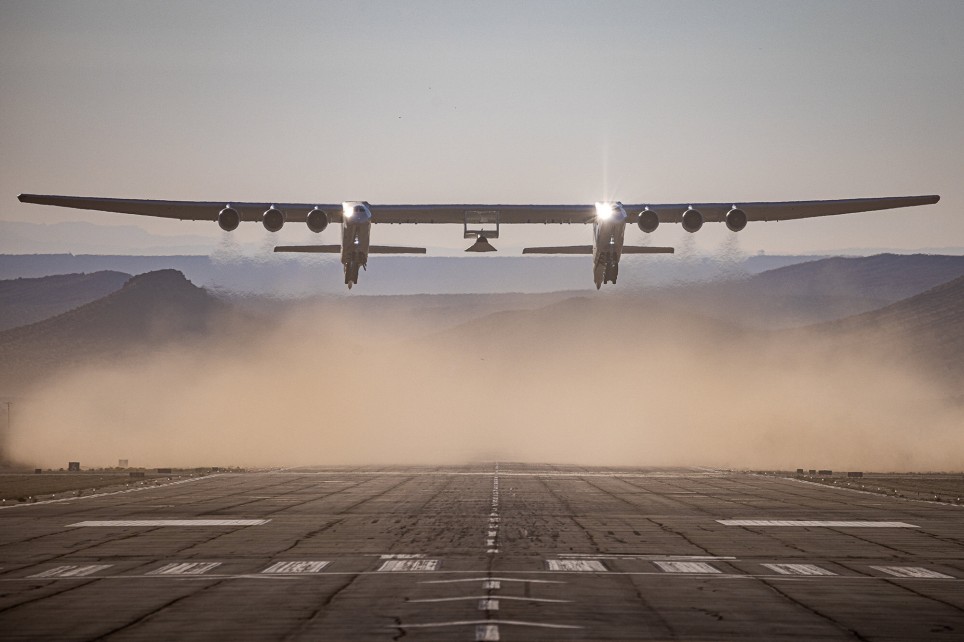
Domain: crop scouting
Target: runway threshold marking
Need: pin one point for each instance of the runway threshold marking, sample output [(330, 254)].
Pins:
[(583, 566), (279, 568), (814, 522), (686, 567), (185, 568), (487, 633), (392, 566), (798, 569), (71, 571), (173, 522), (488, 604), (911, 571)]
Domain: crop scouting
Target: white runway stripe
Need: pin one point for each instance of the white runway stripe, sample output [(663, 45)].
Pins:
[(488, 604), (798, 569), (295, 567), (175, 522), (911, 571), (409, 565), (813, 522), (487, 633), (72, 571), (587, 566), (185, 568), (686, 567)]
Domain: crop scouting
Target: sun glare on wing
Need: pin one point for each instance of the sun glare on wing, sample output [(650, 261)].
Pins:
[(604, 211)]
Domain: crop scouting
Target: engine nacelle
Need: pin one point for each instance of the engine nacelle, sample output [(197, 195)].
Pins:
[(229, 219), (735, 219), (273, 219), (317, 221), (648, 221), (692, 220)]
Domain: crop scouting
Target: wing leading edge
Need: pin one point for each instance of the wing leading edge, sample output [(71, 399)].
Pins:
[(456, 214)]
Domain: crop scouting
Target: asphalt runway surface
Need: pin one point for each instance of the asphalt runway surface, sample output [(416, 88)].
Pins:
[(484, 552)]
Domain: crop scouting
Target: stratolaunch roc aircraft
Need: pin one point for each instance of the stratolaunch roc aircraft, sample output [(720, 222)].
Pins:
[(481, 222)]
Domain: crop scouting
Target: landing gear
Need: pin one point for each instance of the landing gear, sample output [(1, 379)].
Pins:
[(351, 273), (605, 271)]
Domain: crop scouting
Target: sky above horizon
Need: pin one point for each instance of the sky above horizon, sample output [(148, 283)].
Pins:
[(489, 102)]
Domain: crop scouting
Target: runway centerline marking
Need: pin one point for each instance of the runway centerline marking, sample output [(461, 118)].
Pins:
[(295, 567), (686, 567), (912, 571), (814, 522), (71, 571), (392, 566), (487, 633), (798, 569), (578, 566), (173, 522), (488, 604), (185, 568)]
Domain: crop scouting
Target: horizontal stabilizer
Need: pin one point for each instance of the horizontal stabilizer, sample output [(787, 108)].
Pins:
[(633, 249), (326, 249), (394, 249), (587, 249), (562, 249)]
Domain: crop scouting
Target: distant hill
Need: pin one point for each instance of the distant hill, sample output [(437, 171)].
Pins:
[(25, 301), (149, 310), (820, 290), (928, 327)]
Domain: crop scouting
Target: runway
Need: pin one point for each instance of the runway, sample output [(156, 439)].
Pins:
[(485, 552)]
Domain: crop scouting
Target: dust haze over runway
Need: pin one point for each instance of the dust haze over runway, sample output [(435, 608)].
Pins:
[(492, 551), (598, 381)]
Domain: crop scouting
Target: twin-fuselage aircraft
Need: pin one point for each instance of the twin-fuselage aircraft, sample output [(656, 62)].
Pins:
[(608, 219)]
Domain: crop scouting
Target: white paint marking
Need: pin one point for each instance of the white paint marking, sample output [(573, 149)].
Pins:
[(645, 557), (463, 598), (490, 542), (185, 568), (911, 571), (491, 585), (813, 522), (798, 569), (72, 571), (487, 633), (409, 565), (686, 567), (587, 566), (493, 533), (435, 625), (482, 579), (295, 567), (175, 522), (402, 556), (492, 550), (488, 604)]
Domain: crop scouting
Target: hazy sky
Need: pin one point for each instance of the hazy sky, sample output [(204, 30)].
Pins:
[(553, 102)]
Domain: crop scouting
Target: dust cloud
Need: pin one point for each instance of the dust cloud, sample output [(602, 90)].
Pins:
[(594, 381)]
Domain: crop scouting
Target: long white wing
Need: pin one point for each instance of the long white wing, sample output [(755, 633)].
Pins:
[(507, 214)]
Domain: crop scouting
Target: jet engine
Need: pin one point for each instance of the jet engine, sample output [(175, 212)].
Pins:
[(692, 220), (648, 221), (317, 221), (735, 219), (273, 219), (229, 219)]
